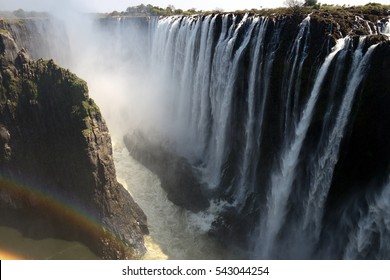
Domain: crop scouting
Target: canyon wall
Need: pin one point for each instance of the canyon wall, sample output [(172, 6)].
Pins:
[(284, 119), (56, 166)]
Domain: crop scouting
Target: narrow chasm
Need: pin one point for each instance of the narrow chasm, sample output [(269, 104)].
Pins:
[(259, 135)]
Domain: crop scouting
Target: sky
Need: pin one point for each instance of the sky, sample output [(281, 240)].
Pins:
[(121, 5)]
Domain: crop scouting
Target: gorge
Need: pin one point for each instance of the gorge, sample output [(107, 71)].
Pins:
[(273, 128), (57, 174)]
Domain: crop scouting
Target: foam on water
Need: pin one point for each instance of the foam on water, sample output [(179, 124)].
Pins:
[(175, 233)]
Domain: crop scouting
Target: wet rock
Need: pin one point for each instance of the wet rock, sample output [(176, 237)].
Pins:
[(176, 174), (56, 164)]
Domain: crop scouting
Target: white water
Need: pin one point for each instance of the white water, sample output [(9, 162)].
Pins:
[(282, 179), (181, 79), (386, 28), (175, 233), (253, 121), (187, 89), (202, 72), (323, 169), (202, 86), (292, 76), (372, 226), (308, 232), (122, 87)]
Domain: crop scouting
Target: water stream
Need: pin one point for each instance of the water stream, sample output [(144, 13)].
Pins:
[(175, 233)]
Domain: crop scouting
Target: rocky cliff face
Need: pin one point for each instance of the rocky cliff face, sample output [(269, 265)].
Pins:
[(177, 176), (283, 117), (56, 164), (286, 118)]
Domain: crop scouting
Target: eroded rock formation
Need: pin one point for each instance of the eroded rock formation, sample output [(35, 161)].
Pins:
[(56, 164), (285, 116), (177, 176)]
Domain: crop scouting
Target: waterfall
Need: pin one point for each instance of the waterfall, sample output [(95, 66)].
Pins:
[(205, 74), (274, 115), (292, 76), (327, 159), (204, 86), (263, 108), (252, 128), (50, 39), (386, 28), (173, 231), (282, 179)]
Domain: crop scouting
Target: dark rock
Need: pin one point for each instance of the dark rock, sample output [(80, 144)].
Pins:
[(365, 157), (41, 37), (8, 47), (56, 164), (232, 226), (176, 174)]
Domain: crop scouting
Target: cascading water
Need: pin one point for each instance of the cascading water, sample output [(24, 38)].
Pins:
[(51, 39), (262, 108), (372, 224), (267, 110), (175, 233), (251, 126), (323, 165), (292, 76), (386, 28), (282, 180), (327, 159), (203, 90), (208, 91)]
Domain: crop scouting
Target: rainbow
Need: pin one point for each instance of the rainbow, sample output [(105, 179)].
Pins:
[(91, 231), (6, 255)]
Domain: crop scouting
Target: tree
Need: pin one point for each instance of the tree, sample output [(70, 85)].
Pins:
[(294, 5), (190, 11), (169, 10), (218, 10), (310, 3), (115, 14), (20, 13)]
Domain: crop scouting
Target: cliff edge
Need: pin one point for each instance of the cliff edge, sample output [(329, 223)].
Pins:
[(56, 164)]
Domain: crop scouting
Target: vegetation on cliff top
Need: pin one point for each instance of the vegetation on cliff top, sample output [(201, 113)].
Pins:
[(22, 14), (292, 6), (340, 21), (52, 132), (33, 81)]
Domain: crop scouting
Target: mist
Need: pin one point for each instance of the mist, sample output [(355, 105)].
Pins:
[(114, 60), (133, 92), (177, 81), (113, 75)]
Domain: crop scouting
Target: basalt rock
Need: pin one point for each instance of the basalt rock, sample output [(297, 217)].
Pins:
[(56, 164), (177, 176), (41, 36)]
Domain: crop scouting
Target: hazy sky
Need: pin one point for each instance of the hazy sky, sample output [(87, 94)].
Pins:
[(121, 5)]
